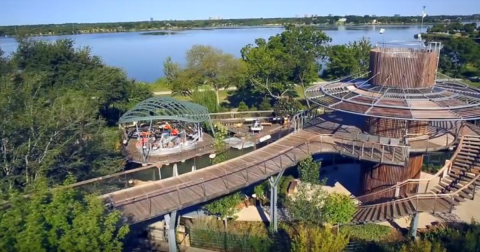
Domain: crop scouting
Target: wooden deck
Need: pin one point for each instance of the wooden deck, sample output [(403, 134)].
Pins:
[(160, 197), (204, 147)]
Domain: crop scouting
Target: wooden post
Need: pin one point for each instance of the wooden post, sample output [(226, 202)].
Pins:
[(178, 195), (204, 190), (383, 152)]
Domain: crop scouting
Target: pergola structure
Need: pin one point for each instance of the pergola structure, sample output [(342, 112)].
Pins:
[(398, 99), (144, 115)]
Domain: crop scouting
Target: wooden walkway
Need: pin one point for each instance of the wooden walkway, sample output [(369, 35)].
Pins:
[(163, 196)]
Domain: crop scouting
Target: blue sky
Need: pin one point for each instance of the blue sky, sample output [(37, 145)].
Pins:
[(16, 12)]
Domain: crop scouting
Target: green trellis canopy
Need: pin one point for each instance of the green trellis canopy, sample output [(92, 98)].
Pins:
[(166, 108)]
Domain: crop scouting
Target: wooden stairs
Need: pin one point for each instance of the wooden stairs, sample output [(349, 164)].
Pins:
[(459, 180)]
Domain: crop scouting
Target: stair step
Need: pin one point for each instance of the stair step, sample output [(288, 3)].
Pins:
[(465, 193), (459, 180), (465, 170), (456, 172), (409, 207), (467, 158), (460, 163), (474, 140), (468, 154), (402, 211)]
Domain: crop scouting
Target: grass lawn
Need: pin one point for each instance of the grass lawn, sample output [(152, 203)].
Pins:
[(223, 94)]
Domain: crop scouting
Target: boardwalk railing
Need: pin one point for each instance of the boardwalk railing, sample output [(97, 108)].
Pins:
[(424, 202), (251, 172), (394, 191), (242, 114)]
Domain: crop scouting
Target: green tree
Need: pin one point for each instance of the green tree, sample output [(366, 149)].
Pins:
[(212, 67), (56, 103), (180, 81), (457, 54), (338, 208), (318, 239), (267, 68), (309, 171), (265, 104), (350, 59), (62, 220), (422, 246), (225, 207), (305, 47), (65, 67), (206, 98), (306, 205), (287, 106), (220, 145), (289, 58), (242, 106)]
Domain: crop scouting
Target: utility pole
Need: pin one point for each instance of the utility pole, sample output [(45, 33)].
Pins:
[(424, 14)]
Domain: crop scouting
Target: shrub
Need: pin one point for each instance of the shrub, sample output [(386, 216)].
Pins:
[(318, 239), (367, 232), (338, 208), (242, 106)]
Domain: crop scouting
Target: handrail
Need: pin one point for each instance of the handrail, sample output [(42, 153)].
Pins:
[(245, 167), (424, 195), (409, 181)]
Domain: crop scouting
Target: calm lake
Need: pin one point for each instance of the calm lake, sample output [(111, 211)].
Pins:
[(142, 56)]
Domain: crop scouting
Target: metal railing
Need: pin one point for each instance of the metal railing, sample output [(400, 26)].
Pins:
[(241, 114), (394, 191), (422, 202), (251, 172)]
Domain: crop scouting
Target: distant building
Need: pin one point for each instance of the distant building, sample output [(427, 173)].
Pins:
[(151, 19), (342, 20), (397, 15)]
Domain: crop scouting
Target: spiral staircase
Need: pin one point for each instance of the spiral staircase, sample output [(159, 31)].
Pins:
[(456, 182)]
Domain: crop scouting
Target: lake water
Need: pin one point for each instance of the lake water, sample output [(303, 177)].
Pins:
[(142, 56)]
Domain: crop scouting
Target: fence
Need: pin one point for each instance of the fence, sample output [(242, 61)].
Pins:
[(222, 241)]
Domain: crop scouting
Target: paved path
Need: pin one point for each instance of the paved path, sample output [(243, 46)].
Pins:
[(201, 90)]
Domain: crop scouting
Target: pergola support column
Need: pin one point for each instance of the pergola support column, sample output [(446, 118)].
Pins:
[(273, 200), (170, 221), (175, 170), (414, 226)]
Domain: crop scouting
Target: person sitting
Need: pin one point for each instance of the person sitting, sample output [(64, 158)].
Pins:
[(167, 126), (174, 132)]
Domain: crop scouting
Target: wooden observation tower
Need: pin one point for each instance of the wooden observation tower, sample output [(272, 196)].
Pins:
[(399, 99)]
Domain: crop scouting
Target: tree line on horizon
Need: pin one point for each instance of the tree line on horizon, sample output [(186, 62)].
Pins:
[(86, 28)]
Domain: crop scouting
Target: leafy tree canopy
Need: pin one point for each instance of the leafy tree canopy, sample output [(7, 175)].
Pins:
[(62, 220), (206, 67), (309, 171), (289, 58), (350, 59), (56, 103)]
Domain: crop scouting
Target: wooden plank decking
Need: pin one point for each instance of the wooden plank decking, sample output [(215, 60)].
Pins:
[(160, 197)]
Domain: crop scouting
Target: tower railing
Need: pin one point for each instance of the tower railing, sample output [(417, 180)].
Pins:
[(395, 190)]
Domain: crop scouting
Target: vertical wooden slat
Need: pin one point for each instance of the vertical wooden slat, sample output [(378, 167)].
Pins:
[(400, 68)]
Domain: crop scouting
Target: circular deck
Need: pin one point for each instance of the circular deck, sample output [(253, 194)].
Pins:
[(443, 102)]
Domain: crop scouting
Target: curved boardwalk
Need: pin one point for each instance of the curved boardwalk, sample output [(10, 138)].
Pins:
[(163, 196), (160, 197)]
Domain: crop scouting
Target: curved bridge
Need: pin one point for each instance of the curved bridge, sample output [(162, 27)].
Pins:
[(160, 197)]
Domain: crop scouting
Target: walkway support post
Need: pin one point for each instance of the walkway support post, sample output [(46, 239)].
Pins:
[(273, 200), (414, 226), (170, 220)]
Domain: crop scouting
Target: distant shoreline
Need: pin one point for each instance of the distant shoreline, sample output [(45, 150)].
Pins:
[(175, 31)]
